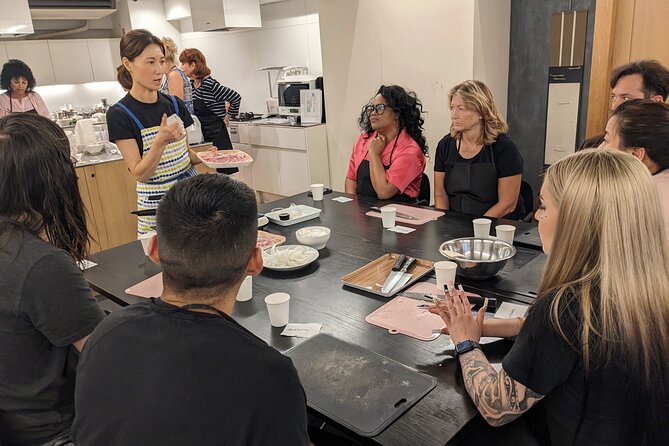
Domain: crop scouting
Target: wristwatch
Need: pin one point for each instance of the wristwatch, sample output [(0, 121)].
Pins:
[(465, 346)]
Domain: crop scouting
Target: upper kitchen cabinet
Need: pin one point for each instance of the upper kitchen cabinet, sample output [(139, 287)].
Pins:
[(38, 57), (104, 54), (71, 62)]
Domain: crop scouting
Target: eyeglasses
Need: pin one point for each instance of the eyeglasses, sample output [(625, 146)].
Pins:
[(379, 108)]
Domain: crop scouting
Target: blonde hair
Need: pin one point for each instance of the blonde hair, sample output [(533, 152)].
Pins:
[(170, 48), (610, 242), (478, 97)]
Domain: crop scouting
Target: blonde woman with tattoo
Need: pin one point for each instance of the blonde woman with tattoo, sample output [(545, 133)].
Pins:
[(594, 349)]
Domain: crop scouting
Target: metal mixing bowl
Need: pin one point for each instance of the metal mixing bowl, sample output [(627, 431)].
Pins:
[(478, 258)]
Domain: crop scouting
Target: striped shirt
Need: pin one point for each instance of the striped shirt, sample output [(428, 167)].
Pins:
[(216, 95)]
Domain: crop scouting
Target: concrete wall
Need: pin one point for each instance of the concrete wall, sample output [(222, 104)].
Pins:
[(528, 78)]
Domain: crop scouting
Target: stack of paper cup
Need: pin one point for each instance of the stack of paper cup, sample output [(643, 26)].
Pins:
[(144, 238), (246, 290), (482, 227), (317, 191), (505, 232), (278, 307), (445, 272), (388, 216)]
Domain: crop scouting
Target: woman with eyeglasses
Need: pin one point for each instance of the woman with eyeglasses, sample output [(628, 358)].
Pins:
[(47, 310), (478, 169), (388, 158)]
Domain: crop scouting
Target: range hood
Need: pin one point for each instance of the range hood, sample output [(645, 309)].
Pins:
[(222, 15), (15, 20)]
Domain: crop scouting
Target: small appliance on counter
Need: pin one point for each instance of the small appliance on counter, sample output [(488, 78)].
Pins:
[(289, 93)]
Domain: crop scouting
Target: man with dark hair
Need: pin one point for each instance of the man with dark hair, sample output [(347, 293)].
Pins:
[(639, 79), (179, 370)]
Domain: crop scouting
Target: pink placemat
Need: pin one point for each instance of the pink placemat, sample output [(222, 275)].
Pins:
[(151, 287), (403, 315), (423, 215)]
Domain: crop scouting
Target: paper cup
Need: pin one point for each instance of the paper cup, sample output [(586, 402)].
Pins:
[(505, 232), (144, 238), (278, 307), (388, 216), (317, 191), (246, 290), (482, 227), (445, 272)]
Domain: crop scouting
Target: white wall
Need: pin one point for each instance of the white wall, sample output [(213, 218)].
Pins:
[(427, 46), (289, 36), (150, 15), (79, 95)]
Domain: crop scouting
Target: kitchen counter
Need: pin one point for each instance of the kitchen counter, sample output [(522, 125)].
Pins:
[(85, 159)]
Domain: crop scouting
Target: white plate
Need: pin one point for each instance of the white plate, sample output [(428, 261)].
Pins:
[(311, 253), (306, 213), (212, 165)]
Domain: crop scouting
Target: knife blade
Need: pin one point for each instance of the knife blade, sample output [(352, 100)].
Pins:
[(397, 214), (393, 271), (474, 299), (399, 276)]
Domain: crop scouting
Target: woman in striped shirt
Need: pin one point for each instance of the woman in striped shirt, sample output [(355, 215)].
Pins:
[(212, 102)]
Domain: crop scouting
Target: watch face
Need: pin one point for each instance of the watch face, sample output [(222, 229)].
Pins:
[(465, 346)]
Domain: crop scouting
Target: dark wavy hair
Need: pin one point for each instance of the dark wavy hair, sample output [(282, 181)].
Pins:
[(39, 184), (133, 43), (654, 75), (15, 68), (409, 111)]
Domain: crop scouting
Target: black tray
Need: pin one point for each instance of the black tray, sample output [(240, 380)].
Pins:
[(354, 387)]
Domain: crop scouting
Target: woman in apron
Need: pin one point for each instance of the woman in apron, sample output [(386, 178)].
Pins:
[(388, 158), (17, 78), (212, 102), (478, 169), (156, 152)]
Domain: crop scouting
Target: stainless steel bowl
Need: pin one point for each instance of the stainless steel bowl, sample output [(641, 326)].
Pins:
[(478, 258)]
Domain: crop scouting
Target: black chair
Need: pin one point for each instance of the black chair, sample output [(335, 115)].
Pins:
[(423, 198), (527, 195)]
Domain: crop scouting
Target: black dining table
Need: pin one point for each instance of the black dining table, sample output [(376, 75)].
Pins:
[(318, 296)]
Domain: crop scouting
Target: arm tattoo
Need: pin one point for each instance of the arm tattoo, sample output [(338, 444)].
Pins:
[(497, 396)]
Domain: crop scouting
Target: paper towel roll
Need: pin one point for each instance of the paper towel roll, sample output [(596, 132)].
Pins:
[(84, 132)]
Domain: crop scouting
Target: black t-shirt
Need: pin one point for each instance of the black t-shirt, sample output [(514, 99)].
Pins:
[(589, 411), (122, 126), (45, 306), (505, 155), (153, 374)]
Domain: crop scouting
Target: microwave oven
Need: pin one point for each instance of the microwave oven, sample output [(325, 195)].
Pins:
[(289, 93)]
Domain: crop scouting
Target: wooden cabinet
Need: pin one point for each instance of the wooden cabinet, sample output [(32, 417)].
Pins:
[(108, 193), (70, 60), (38, 57), (104, 56)]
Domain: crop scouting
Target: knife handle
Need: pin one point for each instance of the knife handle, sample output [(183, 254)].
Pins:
[(398, 263), (410, 261)]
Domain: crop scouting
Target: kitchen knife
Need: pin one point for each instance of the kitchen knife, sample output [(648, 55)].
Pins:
[(397, 214), (474, 299), (399, 277), (394, 270)]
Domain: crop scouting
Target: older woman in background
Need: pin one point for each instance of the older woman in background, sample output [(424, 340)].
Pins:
[(176, 82), (388, 158), (18, 81), (478, 169), (213, 103), (641, 127)]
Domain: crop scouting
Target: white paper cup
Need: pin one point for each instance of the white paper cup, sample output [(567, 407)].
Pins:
[(246, 290), (317, 191), (278, 307), (445, 272), (505, 232), (388, 216), (144, 238), (482, 227)]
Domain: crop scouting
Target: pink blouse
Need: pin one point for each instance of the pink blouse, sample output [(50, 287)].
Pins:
[(30, 102), (407, 165)]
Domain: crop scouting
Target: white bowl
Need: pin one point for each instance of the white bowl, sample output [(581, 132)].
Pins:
[(313, 236), (92, 149)]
